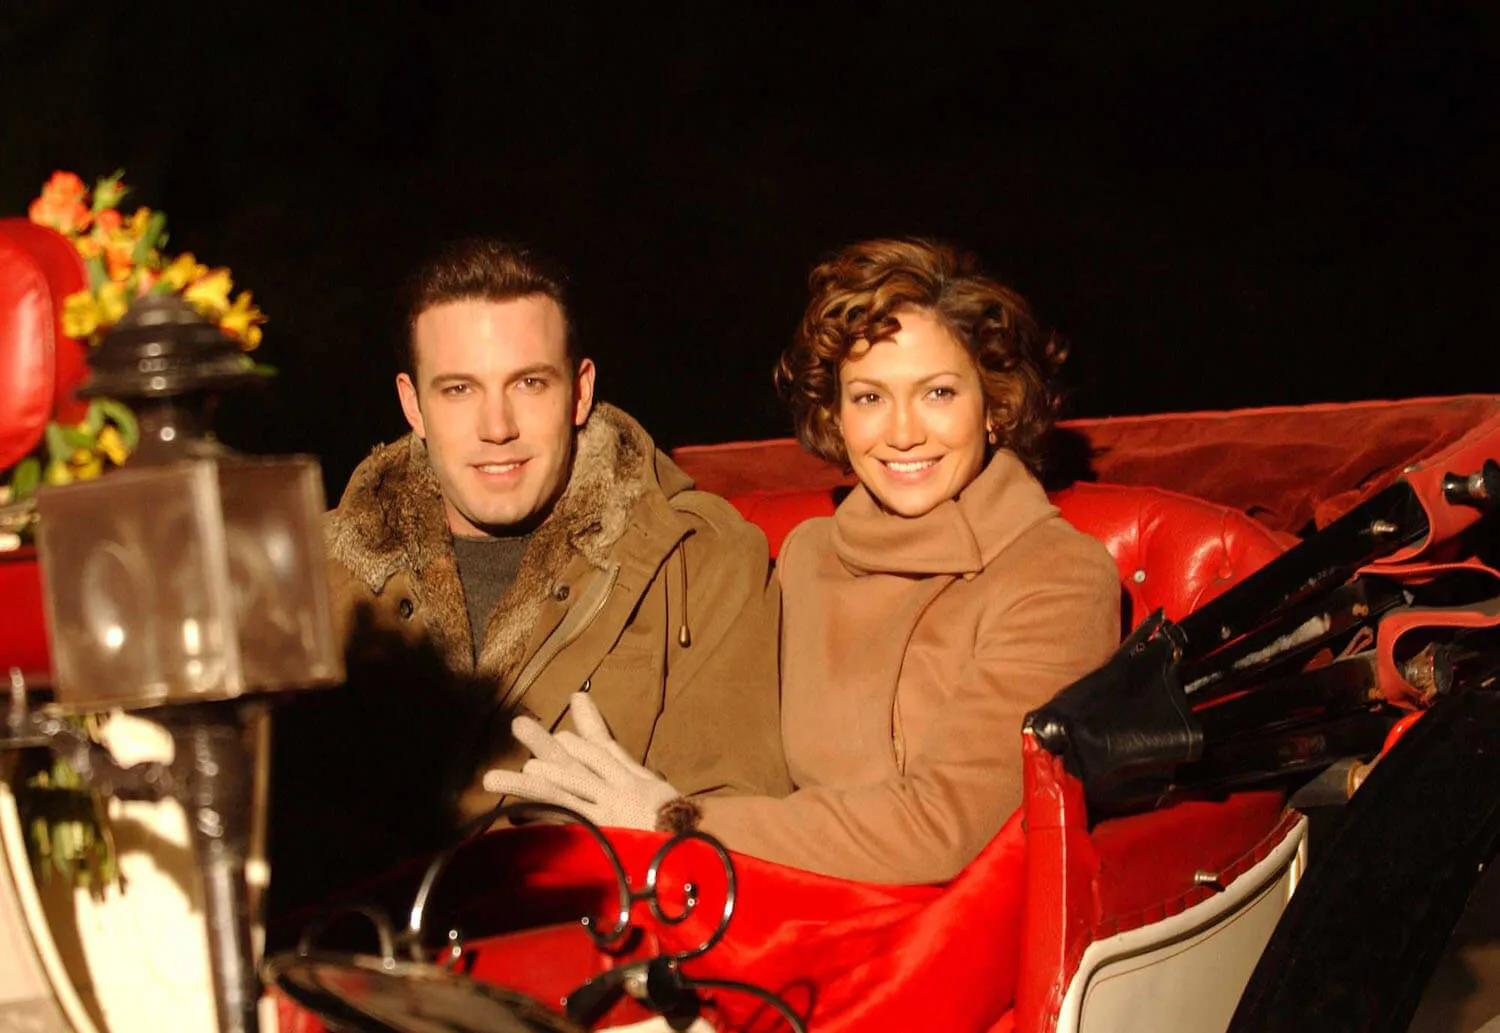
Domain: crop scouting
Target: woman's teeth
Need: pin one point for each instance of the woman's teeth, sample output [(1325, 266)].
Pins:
[(910, 467)]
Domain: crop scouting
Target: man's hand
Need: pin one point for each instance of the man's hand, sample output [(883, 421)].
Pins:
[(589, 773)]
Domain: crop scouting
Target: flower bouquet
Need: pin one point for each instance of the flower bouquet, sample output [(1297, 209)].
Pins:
[(123, 257)]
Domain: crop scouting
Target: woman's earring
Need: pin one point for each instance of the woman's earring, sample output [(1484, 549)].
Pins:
[(994, 438)]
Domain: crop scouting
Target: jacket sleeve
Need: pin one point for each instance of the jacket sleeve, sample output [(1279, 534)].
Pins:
[(963, 779), (719, 731)]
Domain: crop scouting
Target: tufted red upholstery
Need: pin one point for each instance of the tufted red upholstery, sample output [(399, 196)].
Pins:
[(1174, 552)]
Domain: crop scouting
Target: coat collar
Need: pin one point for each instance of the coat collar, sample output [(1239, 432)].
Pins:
[(959, 536), (391, 520)]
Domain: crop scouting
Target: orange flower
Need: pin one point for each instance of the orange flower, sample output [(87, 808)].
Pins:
[(65, 218), (118, 260), (61, 204), (108, 221), (64, 188)]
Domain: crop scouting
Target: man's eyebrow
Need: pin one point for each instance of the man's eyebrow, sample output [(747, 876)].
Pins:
[(444, 379), (535, 369), (439, 380)]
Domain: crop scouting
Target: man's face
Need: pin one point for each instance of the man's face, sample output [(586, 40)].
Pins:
[(497, 403)]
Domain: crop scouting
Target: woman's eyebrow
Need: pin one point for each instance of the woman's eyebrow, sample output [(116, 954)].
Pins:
[(875, 382)]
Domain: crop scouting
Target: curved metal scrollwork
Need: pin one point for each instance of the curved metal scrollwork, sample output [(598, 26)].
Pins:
[(659, 982), (652, 894)]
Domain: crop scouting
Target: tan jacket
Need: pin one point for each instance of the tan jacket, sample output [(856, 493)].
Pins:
[(657, 599), (912, 648)]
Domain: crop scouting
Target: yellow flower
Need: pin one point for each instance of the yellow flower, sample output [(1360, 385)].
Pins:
[(183, 271), (243, 321), (112, 445), (112, 303), (136, 227), (57, 472), (80, 315), (210, 294), (85, 465)]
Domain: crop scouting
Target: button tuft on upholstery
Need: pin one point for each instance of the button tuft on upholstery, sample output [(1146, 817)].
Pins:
[(405, 609), (1138, 577), (560, 593)]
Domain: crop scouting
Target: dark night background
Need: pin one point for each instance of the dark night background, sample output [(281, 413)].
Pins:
[(1219, 206)]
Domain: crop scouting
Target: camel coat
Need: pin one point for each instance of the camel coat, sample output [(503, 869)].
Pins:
[(911, 651)]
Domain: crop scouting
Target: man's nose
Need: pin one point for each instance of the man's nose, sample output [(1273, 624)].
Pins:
[(906, 429), (497, 420)]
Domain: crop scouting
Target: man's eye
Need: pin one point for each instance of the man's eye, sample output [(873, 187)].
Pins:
[(532, 383), (455, 390)]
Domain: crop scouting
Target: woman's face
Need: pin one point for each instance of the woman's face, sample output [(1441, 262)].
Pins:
[(912, 415)]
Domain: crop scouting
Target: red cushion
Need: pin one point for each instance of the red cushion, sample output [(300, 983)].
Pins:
[(26, 353), (1174, 552), (23, 631), (777, 512), (62, 268)]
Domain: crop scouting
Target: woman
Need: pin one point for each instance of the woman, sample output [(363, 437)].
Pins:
[(944, 599)]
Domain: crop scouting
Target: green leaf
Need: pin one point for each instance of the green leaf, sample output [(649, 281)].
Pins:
[(98, 275), (93, 423), (121, 416), (24, 481), (77, 438), (156, 230), (108, 193), (58, 449)]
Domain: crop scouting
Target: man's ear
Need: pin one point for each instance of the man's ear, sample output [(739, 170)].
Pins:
[(583, 391), (407, 391)]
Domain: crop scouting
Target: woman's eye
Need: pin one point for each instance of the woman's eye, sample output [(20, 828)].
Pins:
[(943, 393), (866, 398)]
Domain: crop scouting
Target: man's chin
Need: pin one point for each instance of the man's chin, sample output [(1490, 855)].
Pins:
[(506, 522)]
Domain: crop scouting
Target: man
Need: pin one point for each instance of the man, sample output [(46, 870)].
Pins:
[(522, 543)]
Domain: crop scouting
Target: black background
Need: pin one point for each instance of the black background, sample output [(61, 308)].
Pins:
[(1220, 206)]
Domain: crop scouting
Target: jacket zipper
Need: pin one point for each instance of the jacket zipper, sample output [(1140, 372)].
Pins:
[(573, 625)]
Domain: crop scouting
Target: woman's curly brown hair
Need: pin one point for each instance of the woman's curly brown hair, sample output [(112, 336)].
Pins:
[(857, 295)]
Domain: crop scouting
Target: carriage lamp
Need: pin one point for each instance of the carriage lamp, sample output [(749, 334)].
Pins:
[(193, 573), (189, 586)]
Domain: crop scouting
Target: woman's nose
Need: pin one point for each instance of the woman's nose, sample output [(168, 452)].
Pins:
[(906, 429)]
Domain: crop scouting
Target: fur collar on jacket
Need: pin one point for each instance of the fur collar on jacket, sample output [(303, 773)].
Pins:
[(391, 520)]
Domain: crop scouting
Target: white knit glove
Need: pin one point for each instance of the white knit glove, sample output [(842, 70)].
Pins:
[(589, 773)]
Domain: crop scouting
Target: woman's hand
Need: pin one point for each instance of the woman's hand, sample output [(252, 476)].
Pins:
[(589, 773)]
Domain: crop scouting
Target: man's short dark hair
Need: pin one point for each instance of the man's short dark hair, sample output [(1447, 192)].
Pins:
[(484, 269)]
